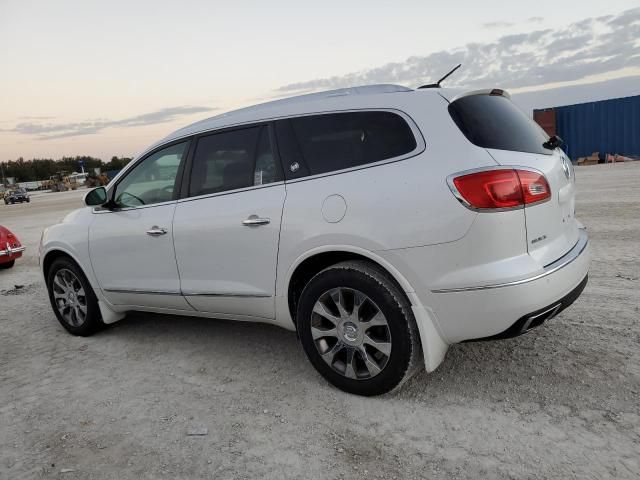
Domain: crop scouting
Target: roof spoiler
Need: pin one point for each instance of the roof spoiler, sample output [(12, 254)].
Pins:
[(496, 92)]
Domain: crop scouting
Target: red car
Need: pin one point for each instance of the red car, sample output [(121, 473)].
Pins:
[(10, 248)]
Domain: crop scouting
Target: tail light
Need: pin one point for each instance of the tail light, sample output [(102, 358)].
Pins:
[(500, 188)]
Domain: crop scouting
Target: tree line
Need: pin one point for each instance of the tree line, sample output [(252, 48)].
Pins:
[(43, 168)]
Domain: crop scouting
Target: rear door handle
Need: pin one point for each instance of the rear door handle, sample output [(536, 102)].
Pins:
[(156, 231), (255, 221)]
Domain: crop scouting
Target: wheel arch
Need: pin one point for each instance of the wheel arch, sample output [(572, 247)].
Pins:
[(109, 315), (52, 255), (312, 262)]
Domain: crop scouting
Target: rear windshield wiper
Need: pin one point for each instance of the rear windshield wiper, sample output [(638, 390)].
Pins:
[(554, 142)]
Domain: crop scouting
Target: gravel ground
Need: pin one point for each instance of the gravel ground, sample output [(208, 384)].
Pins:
[(560, 402)]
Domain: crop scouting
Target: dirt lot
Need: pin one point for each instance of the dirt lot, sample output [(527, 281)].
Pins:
[(560, 402)]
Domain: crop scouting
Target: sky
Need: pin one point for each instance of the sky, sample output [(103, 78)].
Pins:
[(89, 77)]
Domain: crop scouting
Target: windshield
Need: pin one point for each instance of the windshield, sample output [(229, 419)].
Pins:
[(493, 121)]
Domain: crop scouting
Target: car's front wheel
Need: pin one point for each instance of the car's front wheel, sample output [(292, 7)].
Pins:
[(358, 330), (72, 298)]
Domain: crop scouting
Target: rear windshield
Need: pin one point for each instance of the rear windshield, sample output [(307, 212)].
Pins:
[(493, 121)]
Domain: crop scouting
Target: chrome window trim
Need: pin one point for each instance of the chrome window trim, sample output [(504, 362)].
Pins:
[(558, 264), (360, 167), (205, 131), (229, 192), (461, 199), (101, 210), (421, 144)]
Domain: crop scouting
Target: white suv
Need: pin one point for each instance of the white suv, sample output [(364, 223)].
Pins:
[(381, 223)]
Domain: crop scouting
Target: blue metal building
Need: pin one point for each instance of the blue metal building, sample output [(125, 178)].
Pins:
[(607, 126)]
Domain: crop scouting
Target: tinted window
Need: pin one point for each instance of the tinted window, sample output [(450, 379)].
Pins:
[(233, 159), (152, 180), (493, 121), (323, 143)]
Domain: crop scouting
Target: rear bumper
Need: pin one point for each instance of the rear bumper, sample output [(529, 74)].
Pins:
[(537, 318), (498, 310)]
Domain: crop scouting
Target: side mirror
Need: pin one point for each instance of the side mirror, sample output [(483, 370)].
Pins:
[(96, 197)]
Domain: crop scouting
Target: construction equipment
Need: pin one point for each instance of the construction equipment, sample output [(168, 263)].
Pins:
[(62, 182)]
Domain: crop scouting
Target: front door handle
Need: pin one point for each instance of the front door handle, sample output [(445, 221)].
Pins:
[(255, 221), (156, 231)]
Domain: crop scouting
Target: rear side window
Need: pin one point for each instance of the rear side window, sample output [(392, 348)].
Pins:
[(493, 121), (324, 143), (233, 159)]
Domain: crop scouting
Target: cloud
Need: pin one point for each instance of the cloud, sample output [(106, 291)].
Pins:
[(503, 24), (37, 118), (585, 48), (498, 24), (49, 131)]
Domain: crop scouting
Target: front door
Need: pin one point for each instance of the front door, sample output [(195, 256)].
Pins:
[(131, 245), (226, 231)]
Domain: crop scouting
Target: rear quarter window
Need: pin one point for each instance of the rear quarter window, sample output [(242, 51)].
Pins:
[(316, 144), (493, 121)]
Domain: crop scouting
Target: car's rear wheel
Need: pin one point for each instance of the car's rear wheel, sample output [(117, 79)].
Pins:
[(357, 329), (8, 264), (72, 298)]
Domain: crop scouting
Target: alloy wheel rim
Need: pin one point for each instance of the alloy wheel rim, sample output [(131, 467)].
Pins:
[(351, 333), (69, 297)]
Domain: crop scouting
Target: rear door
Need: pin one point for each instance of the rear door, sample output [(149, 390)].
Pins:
[(492, 121), (227, 229)]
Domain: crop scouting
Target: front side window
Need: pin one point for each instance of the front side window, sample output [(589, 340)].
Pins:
[(233, 159), (329, 142), (152, 180)]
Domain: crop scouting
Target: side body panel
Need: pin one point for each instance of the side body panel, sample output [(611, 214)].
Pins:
[(132, 267), (226, 266), (386, 207)]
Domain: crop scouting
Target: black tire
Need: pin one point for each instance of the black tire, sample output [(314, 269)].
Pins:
[(405, 352), (28, 200), (93, 320), (8, 264)]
